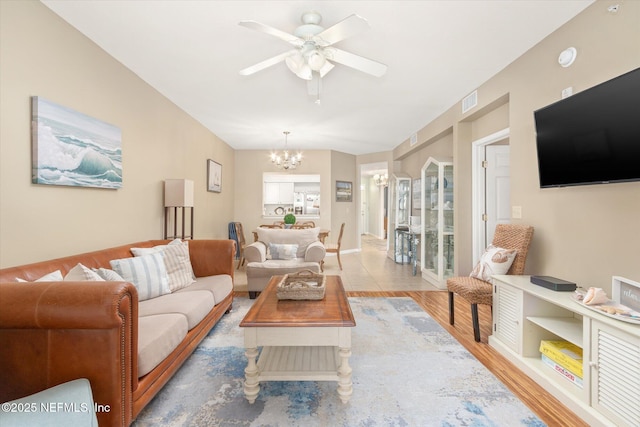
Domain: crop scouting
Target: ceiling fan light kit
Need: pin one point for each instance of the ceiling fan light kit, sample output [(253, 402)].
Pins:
[(313, 51)]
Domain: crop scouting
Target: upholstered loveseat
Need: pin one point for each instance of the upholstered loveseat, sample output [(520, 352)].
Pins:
[(52, 332), (281, 251)]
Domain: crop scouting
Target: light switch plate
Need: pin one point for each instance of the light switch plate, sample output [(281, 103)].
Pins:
[(516, 212)]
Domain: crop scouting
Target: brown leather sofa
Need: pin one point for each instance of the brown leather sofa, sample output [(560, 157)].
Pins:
[(52, 332)]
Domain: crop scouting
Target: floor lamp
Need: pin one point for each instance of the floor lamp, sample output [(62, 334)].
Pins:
[(178, 194)]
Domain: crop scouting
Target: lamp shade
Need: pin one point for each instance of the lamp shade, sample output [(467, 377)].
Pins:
[(178, 192)]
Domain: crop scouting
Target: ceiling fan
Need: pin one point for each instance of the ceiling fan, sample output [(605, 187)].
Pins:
[(312, 57)]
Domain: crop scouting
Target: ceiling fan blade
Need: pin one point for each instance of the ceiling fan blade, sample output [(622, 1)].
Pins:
[(326, 68), (266, 63), (355, 61), (289, 38), (348, 27)]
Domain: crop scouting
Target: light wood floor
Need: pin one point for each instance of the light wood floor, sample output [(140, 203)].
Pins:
[(551, 411), (370, 273)]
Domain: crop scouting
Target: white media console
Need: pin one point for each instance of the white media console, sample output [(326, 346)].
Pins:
[(524, 314)]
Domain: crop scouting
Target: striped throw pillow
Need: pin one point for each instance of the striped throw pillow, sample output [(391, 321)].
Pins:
[(148, 273), (176, 260)]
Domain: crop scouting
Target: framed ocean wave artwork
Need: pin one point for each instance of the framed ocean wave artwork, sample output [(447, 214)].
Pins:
[(73, 149)]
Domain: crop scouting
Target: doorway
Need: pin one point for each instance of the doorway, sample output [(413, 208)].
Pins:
[(491, 203), (373, 198)]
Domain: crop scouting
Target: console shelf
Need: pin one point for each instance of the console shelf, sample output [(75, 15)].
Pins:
[(524, 314), (568, 328)]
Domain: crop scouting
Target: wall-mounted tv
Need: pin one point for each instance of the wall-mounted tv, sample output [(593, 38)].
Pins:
[(592, 137)]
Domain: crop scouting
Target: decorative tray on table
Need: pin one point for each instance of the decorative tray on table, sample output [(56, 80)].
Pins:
[(303, 285), (608, 307)]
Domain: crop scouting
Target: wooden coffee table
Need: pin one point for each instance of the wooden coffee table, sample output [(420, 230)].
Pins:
[(300, 340)]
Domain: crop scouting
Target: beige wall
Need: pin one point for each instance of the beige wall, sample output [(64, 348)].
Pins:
[(343, 168), (41, 55), (587, 233)]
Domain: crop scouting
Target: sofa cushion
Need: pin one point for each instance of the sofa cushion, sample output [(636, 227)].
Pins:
[(195, 306), (148, 273), (54, 276), (276, 268), (220, 286), (158, 336), (109, 275), (80, 273), (301, 237), (282, 251), (176, 260)]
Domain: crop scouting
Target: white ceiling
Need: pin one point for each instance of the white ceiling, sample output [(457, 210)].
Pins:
[(437, 52)]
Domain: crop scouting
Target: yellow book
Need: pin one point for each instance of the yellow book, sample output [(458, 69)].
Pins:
[(565, 354)]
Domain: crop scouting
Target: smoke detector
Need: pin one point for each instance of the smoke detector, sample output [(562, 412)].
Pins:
[(567, 56)]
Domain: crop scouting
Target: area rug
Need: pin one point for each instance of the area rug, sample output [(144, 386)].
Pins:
[(407, 371)]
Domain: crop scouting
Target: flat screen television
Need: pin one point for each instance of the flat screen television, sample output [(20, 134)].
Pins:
[(592, 137)]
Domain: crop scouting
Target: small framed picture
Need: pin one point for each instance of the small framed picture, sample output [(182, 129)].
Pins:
[(344, 191), (214, 176)]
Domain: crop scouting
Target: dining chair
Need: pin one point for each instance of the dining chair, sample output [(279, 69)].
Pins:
[(301, 225), (335, 248), (477, 291), (241, 242)]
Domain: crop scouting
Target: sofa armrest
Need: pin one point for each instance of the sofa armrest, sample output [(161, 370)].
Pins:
[(315, 252), (53, 332), (255, 252), (212, 257)]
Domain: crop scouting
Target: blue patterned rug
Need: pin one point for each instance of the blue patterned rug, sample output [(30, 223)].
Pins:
[(407, 371)]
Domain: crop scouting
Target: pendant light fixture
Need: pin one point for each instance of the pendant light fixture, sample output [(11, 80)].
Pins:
[(286, 160)]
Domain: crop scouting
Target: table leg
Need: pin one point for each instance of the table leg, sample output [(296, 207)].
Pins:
[(251, 383), (345, 386)]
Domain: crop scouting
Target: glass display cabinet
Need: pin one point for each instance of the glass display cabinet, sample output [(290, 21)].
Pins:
[(399, 211), (437, 221)]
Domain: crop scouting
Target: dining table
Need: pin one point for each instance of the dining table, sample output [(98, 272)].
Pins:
[(323, 233)]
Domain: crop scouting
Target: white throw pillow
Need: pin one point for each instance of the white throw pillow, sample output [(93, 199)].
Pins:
[(282, 251), (54, 276), (80, 273), (148, 273), (494, 261), (109, 275), (176, 260)]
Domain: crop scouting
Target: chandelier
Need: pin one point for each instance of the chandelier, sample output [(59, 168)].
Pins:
[(285, 160), (381, 180)]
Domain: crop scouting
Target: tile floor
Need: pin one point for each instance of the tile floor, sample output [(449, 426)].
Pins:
[(367, 270)]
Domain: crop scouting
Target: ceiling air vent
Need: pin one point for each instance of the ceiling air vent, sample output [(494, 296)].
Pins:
[(470, 101)]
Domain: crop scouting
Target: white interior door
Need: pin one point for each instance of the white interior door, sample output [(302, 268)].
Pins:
[(481, 191), (364, 210), (497, 189)]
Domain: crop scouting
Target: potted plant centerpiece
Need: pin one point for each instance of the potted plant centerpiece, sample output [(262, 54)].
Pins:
[(289, 220)]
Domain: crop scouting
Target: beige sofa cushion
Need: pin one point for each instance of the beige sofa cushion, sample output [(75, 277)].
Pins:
[(301, 237), (219, 286), (276, 268), (158, 336), (194, 306)]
